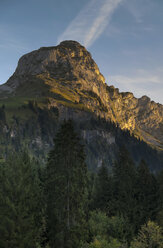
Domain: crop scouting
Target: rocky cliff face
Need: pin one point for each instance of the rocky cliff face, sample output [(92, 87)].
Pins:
[(67, 76), (69, 61)]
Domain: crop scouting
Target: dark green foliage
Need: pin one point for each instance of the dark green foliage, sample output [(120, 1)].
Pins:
[(115, 203), (124, 202), (107, 228), (124, 176), (118, 228), (20, 203), (66, 184), (138, 149), (2, 114), (98, 224), (131, 193), (160, 203), (160, 183), (147, 195), (103, 190)]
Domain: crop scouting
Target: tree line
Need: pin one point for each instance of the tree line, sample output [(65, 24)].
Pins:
[(63, 205)]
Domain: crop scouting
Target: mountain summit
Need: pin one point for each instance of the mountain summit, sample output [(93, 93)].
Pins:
[(67, 78), (67, 61)]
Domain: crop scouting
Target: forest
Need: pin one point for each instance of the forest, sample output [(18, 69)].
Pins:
[(63, 204)]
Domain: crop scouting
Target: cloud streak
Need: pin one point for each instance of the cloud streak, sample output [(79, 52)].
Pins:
[(91, 21)]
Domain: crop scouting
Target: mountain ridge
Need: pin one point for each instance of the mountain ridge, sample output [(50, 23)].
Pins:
[(68, 75)]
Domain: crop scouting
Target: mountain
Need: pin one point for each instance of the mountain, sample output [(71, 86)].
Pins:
[(61, 82)]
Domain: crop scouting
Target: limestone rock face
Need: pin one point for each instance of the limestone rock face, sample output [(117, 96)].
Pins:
[(68, 60), (71, 81), (142, 116)]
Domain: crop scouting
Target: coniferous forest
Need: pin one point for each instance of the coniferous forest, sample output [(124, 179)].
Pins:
[(62, 204)]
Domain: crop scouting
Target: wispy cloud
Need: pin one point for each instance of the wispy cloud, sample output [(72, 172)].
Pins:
[(128, 80), (138, 12), (90, 22)]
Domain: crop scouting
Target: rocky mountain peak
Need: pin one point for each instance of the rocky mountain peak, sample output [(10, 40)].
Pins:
[(69, 60), (69, 78)]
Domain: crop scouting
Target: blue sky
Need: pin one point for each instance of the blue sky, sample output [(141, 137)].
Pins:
[(125, 37)]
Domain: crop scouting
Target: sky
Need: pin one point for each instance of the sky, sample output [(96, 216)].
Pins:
[(125, 37)]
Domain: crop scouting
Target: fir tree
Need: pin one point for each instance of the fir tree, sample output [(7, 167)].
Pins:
[(147, 195), (66, 182), (160, 200), (124, 176), (102, 190), (20, 203)]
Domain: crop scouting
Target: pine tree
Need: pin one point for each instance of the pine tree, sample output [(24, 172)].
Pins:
[(147, 195), (20, 203), (102, 190), (160, 200), (66, 183), (124, 176)]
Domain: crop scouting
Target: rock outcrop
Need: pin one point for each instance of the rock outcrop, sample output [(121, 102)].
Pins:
[(67, 76)]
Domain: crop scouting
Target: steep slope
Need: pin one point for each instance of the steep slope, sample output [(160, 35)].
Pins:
[(61, 82), (68, 76)]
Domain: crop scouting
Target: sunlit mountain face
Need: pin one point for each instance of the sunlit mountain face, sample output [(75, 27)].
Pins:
[(64, 82)]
